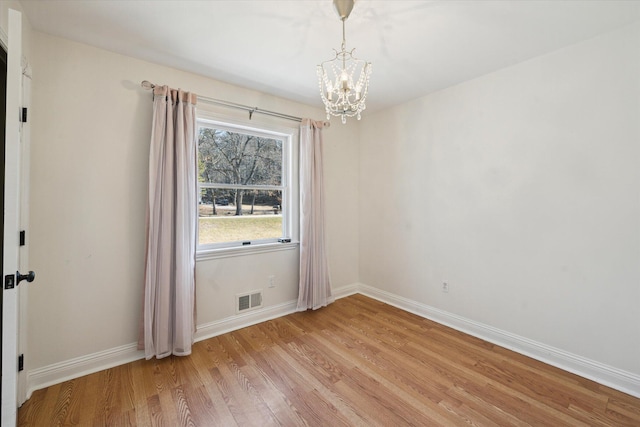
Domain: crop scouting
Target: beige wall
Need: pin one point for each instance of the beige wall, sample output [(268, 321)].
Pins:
[(90, 140), (520, 190)]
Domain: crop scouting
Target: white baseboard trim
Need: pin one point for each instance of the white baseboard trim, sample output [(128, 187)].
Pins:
[(80, 366), (345, 291), (618, 379), (233, 323)]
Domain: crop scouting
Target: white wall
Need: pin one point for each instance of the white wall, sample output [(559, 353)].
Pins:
[(519, 189), (90, 140)]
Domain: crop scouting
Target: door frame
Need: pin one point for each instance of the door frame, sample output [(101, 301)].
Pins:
[(23, 250), (10, 309)]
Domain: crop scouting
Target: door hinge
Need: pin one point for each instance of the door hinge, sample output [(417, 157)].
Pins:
[(9, 281), (23, 235), (21, 362), (23, 115)]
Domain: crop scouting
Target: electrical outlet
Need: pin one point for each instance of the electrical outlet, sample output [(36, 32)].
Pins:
[(445, 287), (272, 281)]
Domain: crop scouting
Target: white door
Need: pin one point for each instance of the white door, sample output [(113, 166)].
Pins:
[(11, 223)]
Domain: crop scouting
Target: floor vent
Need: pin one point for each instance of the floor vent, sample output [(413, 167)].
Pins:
[(248, 301)]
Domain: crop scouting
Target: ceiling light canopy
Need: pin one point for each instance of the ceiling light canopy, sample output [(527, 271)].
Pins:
[(344, 79)]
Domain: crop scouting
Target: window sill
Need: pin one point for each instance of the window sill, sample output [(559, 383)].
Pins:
[(244, 250)]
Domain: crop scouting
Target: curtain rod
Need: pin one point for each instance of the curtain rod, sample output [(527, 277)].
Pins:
[(148, 85)]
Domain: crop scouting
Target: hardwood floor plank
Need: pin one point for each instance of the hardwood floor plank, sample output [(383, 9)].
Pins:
[(370, 398), (317, 411), (220, 407), (81, 398), (127, 394), (168, 408), (28, 414), (50, 396), (203, 410), (141, 415), (271, 396), (156, 414), (88, 399), (60, 411), (624, 407), (282, 330), (357, 362), (593, 418), (474, 418), (535, 386), (486, 409), (183, 406), (254, 339), (205, 356), (108, 406), (313, 386), (318, 362), (618, 418), (245, 408)]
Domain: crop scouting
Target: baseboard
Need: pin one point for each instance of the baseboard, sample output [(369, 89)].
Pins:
[(232, 323), (79, 366), (618, 379), (345, 291)]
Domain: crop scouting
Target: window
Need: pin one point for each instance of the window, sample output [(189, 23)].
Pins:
[(244, 186)]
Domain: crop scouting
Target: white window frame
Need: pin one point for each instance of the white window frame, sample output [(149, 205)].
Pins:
[(289, 187)]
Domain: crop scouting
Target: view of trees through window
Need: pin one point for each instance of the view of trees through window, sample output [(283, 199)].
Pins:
[(240, 186)]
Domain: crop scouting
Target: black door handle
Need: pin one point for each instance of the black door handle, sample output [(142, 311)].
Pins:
[(29, 277)]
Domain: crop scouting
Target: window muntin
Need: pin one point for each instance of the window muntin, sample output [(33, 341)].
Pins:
[(243, 185)]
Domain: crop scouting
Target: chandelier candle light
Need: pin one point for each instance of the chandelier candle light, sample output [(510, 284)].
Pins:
[(344, 80)]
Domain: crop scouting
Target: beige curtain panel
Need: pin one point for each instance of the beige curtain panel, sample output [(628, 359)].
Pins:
[(315, 283), (169, 285)]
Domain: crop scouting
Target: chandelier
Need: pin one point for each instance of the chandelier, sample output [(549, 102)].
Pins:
[(344, 79)]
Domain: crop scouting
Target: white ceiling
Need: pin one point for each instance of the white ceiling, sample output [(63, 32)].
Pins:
[(416, 47)]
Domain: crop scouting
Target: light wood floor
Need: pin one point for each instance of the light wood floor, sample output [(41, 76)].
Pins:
[(356, 362)]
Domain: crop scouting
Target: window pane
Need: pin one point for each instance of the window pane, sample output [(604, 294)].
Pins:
[(239, 215), (235, 158)]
